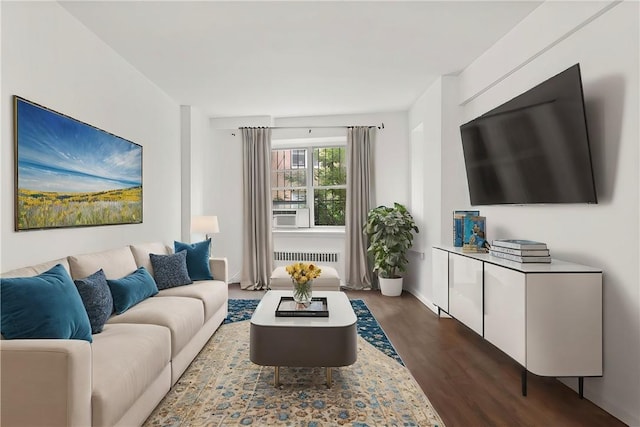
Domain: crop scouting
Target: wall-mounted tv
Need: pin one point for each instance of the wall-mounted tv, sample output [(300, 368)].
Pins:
[(532, 149)]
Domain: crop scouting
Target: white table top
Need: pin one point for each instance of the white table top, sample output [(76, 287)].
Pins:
[(340, 311), (555, 266)]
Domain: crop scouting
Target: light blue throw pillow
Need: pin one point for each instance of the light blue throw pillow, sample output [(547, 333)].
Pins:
[(44, 306), (97, 299), (170, 270), (132, 289), (197, 258)]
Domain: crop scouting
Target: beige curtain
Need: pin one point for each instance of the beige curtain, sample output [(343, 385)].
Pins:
[(257, 249), (359, 201)]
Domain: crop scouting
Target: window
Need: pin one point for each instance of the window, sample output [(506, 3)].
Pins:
[(325, 182), (329, 185), (298, 159)]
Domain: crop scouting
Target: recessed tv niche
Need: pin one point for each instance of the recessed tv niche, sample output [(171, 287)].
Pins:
[(533, 148), (71, 174)]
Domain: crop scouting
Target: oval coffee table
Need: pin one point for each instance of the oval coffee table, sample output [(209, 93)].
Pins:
[(304, 341)]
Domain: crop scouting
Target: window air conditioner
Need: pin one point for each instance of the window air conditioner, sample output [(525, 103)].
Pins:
[(291, 218)]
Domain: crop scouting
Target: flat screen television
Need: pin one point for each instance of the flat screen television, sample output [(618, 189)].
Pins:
[(532, 149)]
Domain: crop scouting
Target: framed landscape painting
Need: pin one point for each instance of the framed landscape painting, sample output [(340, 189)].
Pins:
[(71, 174)]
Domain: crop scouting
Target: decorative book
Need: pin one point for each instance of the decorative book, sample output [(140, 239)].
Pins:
[(474, 234), (521, 252), (458, 226), (519, 244), (521, 259), (289, 308)]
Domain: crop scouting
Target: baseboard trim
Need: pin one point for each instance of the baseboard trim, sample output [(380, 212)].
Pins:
[(428, 303)]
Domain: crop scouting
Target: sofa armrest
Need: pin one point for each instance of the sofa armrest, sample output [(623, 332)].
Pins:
[(45, 382), (219, 269)]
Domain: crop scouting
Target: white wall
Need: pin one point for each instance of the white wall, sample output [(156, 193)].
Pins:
[(195, 133), (603, 38), (223, 180), (50, 58), (426, 115), (438, 112), (185, 172)]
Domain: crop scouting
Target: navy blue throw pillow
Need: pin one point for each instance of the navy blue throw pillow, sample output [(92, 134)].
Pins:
[(170, 270), (44, 306), (97, 299), (197, 258), (132, 289)]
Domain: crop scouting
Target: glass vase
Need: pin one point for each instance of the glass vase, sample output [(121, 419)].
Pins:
[(302, 292)]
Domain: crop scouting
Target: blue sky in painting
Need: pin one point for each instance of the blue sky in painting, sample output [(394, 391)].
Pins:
[(56, 153)]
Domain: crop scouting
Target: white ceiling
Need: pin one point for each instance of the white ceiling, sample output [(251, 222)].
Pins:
[(298, 58)]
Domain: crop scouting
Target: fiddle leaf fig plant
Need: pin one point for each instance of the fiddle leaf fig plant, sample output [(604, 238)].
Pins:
[(390, 231)]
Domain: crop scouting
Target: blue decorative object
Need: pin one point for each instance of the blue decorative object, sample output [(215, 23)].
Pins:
[(43, 306), (458, 226), (197, 258), (170, 270), (474, 233), (132, 289), (367, 325), (97, 299)]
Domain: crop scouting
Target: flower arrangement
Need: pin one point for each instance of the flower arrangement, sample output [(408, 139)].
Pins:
[(302, 274)]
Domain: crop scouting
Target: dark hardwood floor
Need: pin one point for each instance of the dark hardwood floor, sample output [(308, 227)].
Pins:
[(468, 380)]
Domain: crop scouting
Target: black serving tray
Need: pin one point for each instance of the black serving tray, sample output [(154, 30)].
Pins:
[(288, 308)]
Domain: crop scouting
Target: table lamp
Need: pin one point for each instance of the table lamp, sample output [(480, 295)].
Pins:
[(207, 224)]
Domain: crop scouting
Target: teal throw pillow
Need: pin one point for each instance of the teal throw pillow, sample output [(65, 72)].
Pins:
[(170, 270), (97, 299), (197, 258), (44, 306), (132, 289)]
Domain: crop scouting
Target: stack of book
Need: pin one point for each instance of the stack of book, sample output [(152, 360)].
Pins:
[(521, 250)]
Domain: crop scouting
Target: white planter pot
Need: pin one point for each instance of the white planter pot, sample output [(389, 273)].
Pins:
[(390, 287)]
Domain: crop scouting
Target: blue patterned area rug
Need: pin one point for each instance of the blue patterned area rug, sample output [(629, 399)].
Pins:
[(222, 387), (368, 327)]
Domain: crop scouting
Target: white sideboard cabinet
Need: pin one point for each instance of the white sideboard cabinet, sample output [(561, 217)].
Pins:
[(465, 291), (547, 317), (440, 278)]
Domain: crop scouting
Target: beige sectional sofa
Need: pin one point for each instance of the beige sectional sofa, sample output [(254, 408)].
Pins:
[(119, 378)]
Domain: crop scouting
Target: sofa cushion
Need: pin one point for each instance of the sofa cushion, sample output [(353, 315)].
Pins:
[(170, 270), (44, 306), (115, 263), (126, 359), (197, 258), (213, 294), (132, 289), (183, 316), (97, 299), (34, 270), (141, 254)]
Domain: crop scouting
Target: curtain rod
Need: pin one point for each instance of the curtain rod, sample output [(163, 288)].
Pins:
[(310, 127)]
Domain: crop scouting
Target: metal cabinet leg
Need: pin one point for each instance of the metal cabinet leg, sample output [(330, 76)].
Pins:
[(328, 377), (524, 382), (276, 376), (581, 387)]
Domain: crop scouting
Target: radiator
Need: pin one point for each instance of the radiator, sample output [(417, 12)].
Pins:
[(317, 257)]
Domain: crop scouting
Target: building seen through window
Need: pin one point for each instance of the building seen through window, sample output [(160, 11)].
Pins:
[(322, 188)]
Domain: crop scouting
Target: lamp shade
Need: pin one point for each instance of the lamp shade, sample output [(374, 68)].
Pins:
[(205, 224)]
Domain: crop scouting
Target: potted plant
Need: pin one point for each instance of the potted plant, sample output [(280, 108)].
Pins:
[(390, 231)]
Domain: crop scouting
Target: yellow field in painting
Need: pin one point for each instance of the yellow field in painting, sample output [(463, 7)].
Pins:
[(40, 209)]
